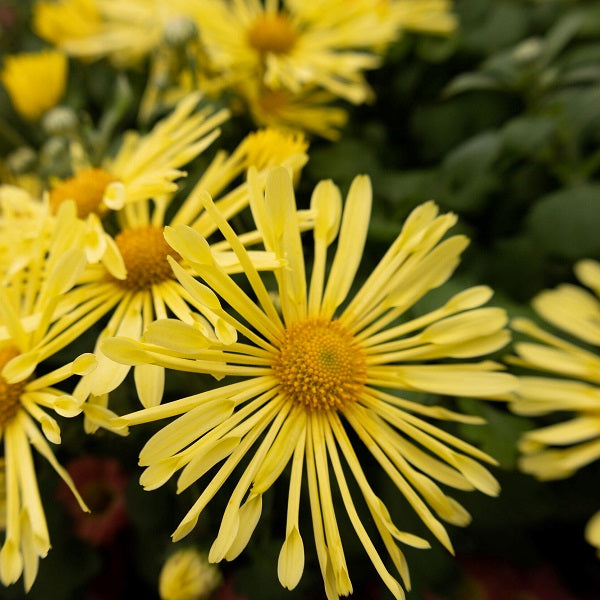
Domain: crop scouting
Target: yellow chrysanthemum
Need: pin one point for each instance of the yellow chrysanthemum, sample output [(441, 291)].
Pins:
[(134, 281), (293, 44), (426, 16), (312, 111), (559, 450), (21, 216), (33, 327), (24, 75), (58, 21), (145, 166), (316, 367), (124, 30), (187, 575)]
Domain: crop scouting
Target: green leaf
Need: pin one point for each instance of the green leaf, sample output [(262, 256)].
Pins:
[(566, 223), (468, 172), (559, 36), (467, 82), (528, 135), (342, 161)]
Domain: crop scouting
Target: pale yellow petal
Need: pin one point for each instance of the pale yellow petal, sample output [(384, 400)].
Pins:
[(188, 427), (541, 395), (176, 335), (326, 201), (290, 564), (149, 383), (588, 272), (351, 241), (575, 430), (459, 380), (249, 516), (572, 309), (202, 462)]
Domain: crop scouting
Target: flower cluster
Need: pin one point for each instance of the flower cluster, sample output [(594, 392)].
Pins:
[(149, 241), (287, 62)]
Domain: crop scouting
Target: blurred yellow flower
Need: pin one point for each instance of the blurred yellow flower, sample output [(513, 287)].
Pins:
[(559, 450), (35, 81), (316, 366), (425, 16), (145, 166), (187, 575), (21, 217), (124, 30), (311, 110), (288, 60), (326, 44), (58, 21)]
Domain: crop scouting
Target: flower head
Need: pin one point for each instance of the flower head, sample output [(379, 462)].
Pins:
[(187, 575), (24, 75), (293, 44), (559, 450), (311, 110), (317, 366), (33, 328), (145, 166)]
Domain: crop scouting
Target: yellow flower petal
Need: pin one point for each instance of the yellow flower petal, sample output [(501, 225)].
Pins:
[(177, 336), (149, 383), (353, 233), (202, 462), (249, 516), (290, 564), (592, 530)]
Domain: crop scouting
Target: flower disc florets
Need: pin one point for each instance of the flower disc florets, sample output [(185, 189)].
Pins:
[(144, 251), (320, 365), (86, 188), (272, 33)]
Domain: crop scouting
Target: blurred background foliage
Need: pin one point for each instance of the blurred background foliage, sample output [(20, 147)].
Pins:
[(499, 123)]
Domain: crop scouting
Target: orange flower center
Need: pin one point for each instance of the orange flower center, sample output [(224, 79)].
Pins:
[(320, 365), (144, 251), (272, 32), (86, 188), (10, 393), (272, 102)]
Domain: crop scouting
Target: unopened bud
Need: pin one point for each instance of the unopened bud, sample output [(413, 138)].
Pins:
[(179, 31), (59, 120)]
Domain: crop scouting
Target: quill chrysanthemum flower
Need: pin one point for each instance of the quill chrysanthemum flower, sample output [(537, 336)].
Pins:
[(320, 365), (34, 327), (292, 45), (24, 75), (145, 166), (559, 450)]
